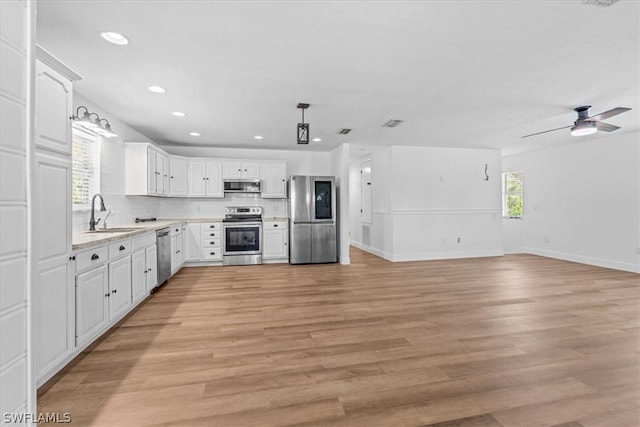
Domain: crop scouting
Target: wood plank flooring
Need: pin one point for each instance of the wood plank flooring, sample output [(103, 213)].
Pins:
[(517, 340)]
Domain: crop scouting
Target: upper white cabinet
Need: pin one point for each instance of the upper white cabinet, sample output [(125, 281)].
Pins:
[(177, 176), (274, 180), (146, 169), (54, 108), (205, 178), (240, 169)]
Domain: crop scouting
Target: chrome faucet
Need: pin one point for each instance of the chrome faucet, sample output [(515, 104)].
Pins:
[(92, 220)]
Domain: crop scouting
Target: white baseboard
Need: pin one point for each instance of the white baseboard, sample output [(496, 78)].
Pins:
[(429, 256), (372, 250), (598, 262)]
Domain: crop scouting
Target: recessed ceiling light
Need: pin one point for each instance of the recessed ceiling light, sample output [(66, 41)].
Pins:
[(317, 139), (194, 134), (157, 89), (115, 38), (257, 137), (178, 114)]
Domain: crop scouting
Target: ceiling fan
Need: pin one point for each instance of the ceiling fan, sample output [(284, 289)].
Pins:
[(586, 125)]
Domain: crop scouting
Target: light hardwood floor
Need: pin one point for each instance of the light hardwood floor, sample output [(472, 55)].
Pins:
[(517, 340)]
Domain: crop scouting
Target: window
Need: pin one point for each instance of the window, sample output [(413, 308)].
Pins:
[(512, 194), (86, 169)]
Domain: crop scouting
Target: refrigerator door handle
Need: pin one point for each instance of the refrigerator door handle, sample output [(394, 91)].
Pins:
[(322, 221)]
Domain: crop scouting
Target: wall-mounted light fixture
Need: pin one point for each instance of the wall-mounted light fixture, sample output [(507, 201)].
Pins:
[(93, 124), (303, 128)]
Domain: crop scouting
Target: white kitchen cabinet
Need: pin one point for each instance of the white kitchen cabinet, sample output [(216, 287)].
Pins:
[(92, 294), (54, 280), (177, 176), (54, 107), (275, 241), (146, 170), (211, 243), (240, 169), (192, 242), (177, 248), (205, 178), (274, 180), (138, 275), (151, 257), (119, 287)]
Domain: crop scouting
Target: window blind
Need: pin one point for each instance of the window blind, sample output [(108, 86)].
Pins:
[(86, 168)]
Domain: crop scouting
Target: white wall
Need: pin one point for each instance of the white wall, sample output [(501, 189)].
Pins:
[(432, 203), (581, 201), (340, 169), (17, 383)]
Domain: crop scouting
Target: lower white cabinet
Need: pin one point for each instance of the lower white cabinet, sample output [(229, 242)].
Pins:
[(203, 242), (139, 275), (275, 240), (192, 242), (119, 287), (151, 257), (177, 247), (92, 308)]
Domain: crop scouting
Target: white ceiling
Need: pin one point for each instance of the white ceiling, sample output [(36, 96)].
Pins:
[(458, 73)]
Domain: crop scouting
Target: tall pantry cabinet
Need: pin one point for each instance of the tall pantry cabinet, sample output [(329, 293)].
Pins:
[(52, 222)]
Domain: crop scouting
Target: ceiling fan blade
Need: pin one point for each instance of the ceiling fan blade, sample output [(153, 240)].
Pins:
[(545, 131), (606, 127), (610, 113)]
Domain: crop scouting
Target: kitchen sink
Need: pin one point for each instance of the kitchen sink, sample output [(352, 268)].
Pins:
[(116, 230)]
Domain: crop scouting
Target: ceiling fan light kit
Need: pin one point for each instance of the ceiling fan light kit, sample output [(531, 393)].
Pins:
[(586, 125)]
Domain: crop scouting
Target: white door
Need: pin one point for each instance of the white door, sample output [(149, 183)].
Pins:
[(192, 242), (174, 254), (365, 191), (274, 244), (250, 170), (92, 296), (152, 262), (274, 180), (165, 175), (232, 169), (138, 275), (178, 177), (54, 107), (214, 179), (152, 172), (119, 287), (197, 178)]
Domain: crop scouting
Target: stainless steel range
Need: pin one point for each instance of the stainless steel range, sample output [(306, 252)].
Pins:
[(242, 231)]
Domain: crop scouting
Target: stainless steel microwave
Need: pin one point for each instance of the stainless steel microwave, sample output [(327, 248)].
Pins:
[(241, 185)]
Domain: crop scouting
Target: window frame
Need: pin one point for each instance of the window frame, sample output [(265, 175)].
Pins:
[(96, 170), (506, 194)]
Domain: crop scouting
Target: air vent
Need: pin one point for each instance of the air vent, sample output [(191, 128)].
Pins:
[(599, 2), (344, 131), (392, 123)]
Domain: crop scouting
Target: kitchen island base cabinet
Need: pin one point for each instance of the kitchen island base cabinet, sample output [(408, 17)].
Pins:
[(119, 287), (92, 316)]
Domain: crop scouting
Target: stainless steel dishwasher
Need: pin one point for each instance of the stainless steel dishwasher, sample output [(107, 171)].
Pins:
[(163, 242)]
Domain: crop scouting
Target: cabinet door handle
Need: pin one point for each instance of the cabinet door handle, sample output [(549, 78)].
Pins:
[(212, 253), (275, 225), (212, 234), (212, 243), (177, 229), (72, 258), (171, 176), (114, 291), (212, 226), (107, 295), (122, 248), (94, 257), (146, 271), (149, 270)]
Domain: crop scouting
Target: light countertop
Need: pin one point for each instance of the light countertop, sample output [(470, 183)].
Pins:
[(86, 240)]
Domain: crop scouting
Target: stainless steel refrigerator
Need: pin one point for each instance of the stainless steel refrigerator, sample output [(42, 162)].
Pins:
[(312, 219)]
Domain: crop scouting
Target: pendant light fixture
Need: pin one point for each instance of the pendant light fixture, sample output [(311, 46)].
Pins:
[(303, 128), (93, 124)]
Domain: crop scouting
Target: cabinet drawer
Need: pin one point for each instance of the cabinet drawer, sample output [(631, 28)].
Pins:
[(276, 225), (119, 249), (91, 258), (211, 254), (211, 234), (206, 226), (210, 243), (143, 241)]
